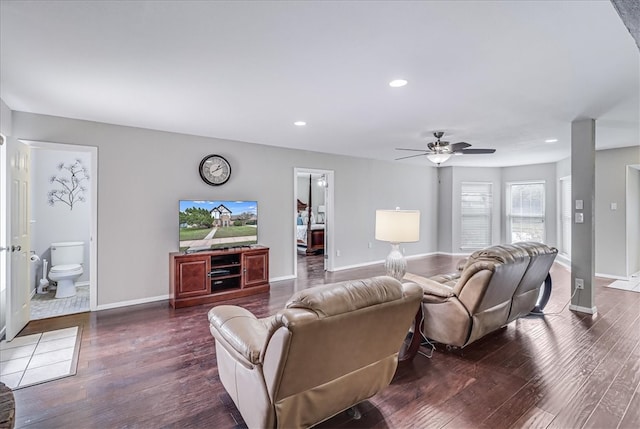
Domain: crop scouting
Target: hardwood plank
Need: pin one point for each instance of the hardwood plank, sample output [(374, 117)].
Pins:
[(534, 418), (617, 399), (631, 419)]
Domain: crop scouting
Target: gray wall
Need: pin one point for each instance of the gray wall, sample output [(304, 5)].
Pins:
[(5, 129), (445, 213), (563, 168), (611, 225), (143, 173), (51, 224), (633, 219)]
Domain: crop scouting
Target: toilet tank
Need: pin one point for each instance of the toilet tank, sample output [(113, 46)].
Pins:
[(67, 253)]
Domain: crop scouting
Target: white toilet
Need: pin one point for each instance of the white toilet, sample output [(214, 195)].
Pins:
[(66, 261)]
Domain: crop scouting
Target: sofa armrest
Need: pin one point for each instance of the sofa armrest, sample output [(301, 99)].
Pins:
[(240, 329), (431, 287)]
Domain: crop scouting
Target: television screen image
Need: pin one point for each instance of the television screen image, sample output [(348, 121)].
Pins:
[(216, 224)]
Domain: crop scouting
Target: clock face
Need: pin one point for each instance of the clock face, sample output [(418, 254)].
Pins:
[(215, 170)]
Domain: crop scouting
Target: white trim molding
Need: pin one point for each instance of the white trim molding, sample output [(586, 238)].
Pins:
[(132, 302), (580, 309), (282, 278), (611, 276)]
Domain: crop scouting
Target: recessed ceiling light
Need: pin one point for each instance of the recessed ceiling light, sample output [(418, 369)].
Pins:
[(397, 83), (551, 140), (300, 123)]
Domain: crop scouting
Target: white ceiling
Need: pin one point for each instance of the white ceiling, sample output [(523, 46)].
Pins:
[(504, 74)]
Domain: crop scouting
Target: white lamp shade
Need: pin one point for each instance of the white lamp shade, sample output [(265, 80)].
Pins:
[(438, 158), (398, 226)]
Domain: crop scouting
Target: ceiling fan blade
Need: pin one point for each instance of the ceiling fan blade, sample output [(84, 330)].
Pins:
[(457, 147), (412, 156), (477, 151), (414, 150)]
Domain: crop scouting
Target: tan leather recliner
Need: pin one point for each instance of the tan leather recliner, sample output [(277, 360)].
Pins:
[(332, 347), (494, 286)]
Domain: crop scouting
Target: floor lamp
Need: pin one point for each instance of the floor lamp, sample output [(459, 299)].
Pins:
[(397, 226)]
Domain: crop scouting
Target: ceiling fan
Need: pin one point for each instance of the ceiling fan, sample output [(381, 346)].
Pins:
[(440, 151)]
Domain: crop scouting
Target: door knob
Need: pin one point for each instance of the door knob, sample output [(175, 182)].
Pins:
[(16, 248)]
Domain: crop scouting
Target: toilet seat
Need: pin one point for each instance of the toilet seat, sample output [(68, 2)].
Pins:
[(66, 269)]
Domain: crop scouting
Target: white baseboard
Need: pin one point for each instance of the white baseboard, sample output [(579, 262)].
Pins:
[(563, 260), (611, 276), (281, 278), (421, 255), (132, 302), (86, 283), (3, 331), (564, 264), (451, 254), (580, 309), (381, 261), (363, 264)]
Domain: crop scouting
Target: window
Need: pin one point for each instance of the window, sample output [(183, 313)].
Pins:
[(476, 206), (525, 212), (565, 216)]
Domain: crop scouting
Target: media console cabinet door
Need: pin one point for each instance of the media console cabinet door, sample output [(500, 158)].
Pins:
[(191, 276), (255, 268)]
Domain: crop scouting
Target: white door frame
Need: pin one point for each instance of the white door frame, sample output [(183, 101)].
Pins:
[(329, 216), (630, 217), (93, 183), (4, 241)]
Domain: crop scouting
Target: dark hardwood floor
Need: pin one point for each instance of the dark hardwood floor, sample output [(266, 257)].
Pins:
[(150, 366)]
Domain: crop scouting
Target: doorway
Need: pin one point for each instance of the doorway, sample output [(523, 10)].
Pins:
[(63, 208), (313, 219)]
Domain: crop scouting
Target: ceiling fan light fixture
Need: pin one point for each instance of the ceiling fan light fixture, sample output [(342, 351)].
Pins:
[(438, 158)]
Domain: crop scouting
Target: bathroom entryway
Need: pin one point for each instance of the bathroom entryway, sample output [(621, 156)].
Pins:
[(62, 213)]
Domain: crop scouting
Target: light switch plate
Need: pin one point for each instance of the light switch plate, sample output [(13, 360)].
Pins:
[(614, 206), (579, 205), (579, 218)]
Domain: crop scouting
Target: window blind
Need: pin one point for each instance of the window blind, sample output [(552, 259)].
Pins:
[(476, 208)]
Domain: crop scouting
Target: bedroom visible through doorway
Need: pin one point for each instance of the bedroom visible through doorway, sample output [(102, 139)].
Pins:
[(312, 220)]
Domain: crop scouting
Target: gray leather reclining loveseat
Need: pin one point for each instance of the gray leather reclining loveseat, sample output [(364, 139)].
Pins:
[(493, 287)]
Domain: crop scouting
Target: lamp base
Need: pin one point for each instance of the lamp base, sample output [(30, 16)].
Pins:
[(395, 264)]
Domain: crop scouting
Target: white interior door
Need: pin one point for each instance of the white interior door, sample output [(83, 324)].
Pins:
[(18, 293)]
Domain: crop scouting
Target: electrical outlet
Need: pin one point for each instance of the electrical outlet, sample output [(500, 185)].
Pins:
[(404, 251), (579, 284), (370, 245), (337, 253)]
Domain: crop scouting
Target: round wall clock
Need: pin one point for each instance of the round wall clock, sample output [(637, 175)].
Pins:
[(214, 170)]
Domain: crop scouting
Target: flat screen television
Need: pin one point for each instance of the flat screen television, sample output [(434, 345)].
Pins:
[(216, 224)]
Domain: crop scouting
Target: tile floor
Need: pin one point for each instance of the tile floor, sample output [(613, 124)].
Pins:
[(633, 284), (37, 358), (46, 305)]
